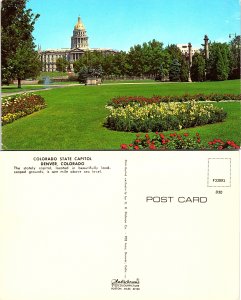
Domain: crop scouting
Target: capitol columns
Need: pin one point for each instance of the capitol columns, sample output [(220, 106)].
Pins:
[(189, 61), (206, 47), (206, 52)]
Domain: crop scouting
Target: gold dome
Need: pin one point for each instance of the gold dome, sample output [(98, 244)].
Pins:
[(79, 25)]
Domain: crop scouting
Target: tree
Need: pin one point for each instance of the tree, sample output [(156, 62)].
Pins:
[(222, 69), (89, 72), (24, 63), (17, 40), (155, 59), (121, 66), (83, 74), (148, 59), (62, 64), (175, 70), (218, 65), (198, 68), (175, 52), (235, 58), (136, 61), (184, 72)]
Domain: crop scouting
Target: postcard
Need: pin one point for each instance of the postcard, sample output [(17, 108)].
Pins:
[(120, 150)]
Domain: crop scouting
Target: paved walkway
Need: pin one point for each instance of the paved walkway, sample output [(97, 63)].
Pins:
[(47, 88)]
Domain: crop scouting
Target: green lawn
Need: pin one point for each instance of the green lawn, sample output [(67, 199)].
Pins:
[(73, 119), (15, 89), (26, 88), (130, 81)]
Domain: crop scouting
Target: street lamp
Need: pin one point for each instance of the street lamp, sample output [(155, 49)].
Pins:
[(232, 34)]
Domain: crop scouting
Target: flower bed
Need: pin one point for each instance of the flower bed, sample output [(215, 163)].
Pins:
[(176, 141), (18, 106), (123, 101), (163, 116)]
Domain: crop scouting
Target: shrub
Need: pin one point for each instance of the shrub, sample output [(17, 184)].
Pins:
[(176, 141), (163, 116), (123, 101), (18, 106), (72, 78)]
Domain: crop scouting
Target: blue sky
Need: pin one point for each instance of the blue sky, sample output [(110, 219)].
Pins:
[(120, 24)]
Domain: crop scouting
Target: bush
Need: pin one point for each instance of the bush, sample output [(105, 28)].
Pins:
[(176, 141), (18, 106), (123, 101), (72, 78), (163, 116)]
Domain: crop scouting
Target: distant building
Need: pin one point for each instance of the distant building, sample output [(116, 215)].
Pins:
[(184, 49), (79, 45)]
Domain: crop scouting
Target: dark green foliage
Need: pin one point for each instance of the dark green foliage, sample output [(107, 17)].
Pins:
[(174, 52), (184, 72), (218, 65), (62, 64), (25, 62), (83, 74), (222, 67), (17, 41), (89, 72), (148, 60), (175, 70), (152, 60), (235, 58), (198, 68)]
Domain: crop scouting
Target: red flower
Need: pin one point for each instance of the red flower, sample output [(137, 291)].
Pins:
[(124, 147), (185, 134), (162, 136), (136, 148), (220, 147), (131, 145), (152, 147), (210, 143), (147, 136), (198, 140)]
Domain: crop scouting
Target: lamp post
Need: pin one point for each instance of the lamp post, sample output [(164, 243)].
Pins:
[(232, 34)]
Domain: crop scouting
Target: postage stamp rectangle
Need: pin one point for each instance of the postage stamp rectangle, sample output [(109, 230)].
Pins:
[(219, 172)]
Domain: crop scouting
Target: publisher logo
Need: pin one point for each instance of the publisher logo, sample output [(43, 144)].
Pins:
[(117, 284)]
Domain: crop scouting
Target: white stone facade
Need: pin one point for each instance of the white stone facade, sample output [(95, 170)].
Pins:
[(79, 45), (184, 49)]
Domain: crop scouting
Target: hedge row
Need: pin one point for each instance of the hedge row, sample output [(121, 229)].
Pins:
[(123, 101)]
